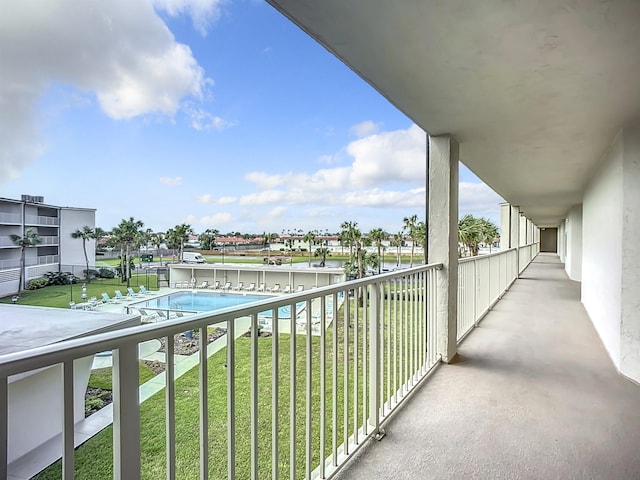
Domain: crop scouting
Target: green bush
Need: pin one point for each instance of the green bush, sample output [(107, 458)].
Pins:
[(105, 273), (60, 278), (37, 283), (91, 273)]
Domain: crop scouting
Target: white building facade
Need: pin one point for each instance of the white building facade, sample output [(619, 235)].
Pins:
[(57, 251)]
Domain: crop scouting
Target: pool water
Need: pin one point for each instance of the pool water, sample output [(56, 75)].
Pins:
[(206, 302)]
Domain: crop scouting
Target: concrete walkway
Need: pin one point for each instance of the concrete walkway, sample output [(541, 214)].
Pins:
[(533, 395)]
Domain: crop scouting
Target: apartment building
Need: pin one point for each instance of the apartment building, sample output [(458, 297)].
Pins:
[(54, 225)]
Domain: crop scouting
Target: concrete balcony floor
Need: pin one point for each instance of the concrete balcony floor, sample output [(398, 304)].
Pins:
[(533, 395)]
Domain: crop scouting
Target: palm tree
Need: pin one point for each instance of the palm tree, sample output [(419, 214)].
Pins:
[(29, 239), (322, 252), (410, 227), (397, 240), (173, 241), (377, 236), (182, 233), (421, 236), (85, 233), (310, 239), (473, 231), (157, 239), (126, 234), (207, 238)]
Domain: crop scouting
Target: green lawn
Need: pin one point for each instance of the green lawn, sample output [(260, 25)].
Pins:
[(60, 295)]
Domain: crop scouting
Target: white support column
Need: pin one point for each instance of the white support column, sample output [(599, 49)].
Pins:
[(505, 226), (515, 233), (443, 236)]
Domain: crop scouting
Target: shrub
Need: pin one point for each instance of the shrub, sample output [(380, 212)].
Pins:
[(105, 273), (36, 283), (60, 278), (91, 273)]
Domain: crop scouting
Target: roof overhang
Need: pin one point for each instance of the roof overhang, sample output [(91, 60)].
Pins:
[(535, 92)]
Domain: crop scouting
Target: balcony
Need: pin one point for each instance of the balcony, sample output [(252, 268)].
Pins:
[(49, 240), (7, 218), (5, 241), (378, 354), (40, 220)]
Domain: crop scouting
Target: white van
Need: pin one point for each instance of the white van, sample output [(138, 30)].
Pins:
[(192, 257)]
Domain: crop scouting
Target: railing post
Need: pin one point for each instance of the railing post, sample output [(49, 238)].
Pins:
[(374, 362), (126, 413)]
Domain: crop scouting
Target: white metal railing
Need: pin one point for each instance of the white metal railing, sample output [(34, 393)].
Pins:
[(41, 220), (48, 259), (5, 241), (49, 240), (366, 344), (9, 263), (526, 254), (6, 217), (482, 281)]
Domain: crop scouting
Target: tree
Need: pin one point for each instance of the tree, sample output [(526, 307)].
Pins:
[(310, 238), (421, 236), (268, 239), (397, 241), (180, 235), (207, 238), (473, 231), (410, 224), (85, 233), (323, 253), (29, 239), (377, 236), (126, 234), (157, 239)]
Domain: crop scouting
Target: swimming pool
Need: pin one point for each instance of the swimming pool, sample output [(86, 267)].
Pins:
[(196, 302)]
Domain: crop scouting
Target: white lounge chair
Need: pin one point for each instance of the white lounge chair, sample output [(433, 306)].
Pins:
[(108, 299), (215, 286), (144, 291), (251, 287), (146, 316), (275, 288), (239, 286), (262, 288), (204, 284), (227, 286), (120, 296), (131, 293), (300, 288)]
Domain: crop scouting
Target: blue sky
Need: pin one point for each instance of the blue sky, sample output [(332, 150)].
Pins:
[(220, 114)]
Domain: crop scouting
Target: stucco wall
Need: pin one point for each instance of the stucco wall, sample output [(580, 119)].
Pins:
[(630, 312), (71, 253), (602, 249)]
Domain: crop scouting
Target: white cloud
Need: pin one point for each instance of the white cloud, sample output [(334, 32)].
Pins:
[(202, 12), (363, 129), (171, 181), (477, 199), (119, 50), (201, 120), (216, 220), (397, 156), (211, 200), (388, 170)]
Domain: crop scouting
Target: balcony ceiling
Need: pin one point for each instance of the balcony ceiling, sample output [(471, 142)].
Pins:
[(535, 92)]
